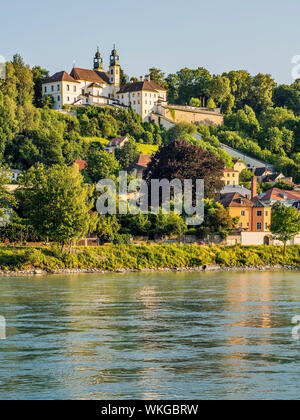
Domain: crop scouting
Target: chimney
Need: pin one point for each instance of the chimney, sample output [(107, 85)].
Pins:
[(253, 187)]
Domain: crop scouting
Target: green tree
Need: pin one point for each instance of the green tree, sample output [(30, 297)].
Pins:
[(39, 75), (107, 229), (157, 76), (261, 92), (195, 102), (127, 154), (211, 104), (101, 165), (217, 220), (169, 225), (56, 202), (285, 223)]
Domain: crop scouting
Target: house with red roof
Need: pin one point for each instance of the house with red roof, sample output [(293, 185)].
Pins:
[(116, 143), (275, 195), (138, 167)]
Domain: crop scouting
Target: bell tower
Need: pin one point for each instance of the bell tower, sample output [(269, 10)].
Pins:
[(114, 70), (98, 61)]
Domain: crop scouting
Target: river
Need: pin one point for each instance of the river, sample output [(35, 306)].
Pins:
[(150, 336)]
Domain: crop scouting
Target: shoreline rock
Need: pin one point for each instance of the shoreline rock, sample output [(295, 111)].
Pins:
[(209, 268)]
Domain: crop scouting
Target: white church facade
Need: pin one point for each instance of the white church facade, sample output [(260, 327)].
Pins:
[(84, 87), (96, 87)]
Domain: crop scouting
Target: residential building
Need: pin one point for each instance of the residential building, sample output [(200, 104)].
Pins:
[(236, 188), (239, 165), (231, 177), (138, 167), (116, 143), (261, 173), (254, 215), (275, 195), (143, 96)]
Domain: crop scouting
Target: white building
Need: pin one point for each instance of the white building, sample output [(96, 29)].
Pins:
[(85, 87), (143, 97)]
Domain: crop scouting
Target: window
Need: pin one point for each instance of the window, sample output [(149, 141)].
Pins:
[(228, 182), (266, 226), (68, 99), (68, 88), (112, 71), (259, 226), (243, 213), (58, 98), (228, 175), (58, 88), (267, 213), (52, 88), (259, 213), (45, 89), (241, 225), (74, 88)]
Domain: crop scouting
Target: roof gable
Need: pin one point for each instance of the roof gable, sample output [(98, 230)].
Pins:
[(89, 75), (61, 76), (146, 85)]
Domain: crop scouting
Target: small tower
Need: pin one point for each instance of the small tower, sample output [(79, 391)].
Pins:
[(98, 62), (114, 70)]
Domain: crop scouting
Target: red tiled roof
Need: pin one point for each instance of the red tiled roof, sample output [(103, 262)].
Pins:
[(88, 75), (278, 194), (235, 200), (143, 85), (141, 162), (82, 164), (61, 76), (117, 141)]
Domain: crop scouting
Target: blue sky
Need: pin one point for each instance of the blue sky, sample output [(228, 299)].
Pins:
[(259, 36)]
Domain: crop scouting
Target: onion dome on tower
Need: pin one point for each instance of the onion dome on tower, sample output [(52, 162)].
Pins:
[(98, 61)]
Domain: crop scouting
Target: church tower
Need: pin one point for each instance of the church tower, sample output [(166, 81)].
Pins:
[(98, 62), (114, 70)]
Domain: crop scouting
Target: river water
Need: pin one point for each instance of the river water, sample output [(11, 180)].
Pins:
[(150, 336)]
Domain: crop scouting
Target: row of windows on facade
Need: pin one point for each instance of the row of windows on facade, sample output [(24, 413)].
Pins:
[(58, 88), (259, 213), (138, 94), (258, 225)]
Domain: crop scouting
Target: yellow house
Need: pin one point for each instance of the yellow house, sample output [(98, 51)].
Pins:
[(253, 215), (231, 177), (239, 165)]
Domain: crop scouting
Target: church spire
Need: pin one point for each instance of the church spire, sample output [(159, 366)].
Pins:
[(98, 61), (114, 57)]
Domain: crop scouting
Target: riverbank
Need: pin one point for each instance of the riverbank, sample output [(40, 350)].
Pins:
[(209, 269), (146, 258)]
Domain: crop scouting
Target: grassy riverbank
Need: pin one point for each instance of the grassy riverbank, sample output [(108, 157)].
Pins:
[(132, 257)]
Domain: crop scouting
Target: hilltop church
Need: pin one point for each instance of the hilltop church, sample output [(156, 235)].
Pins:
[(85, 87)]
